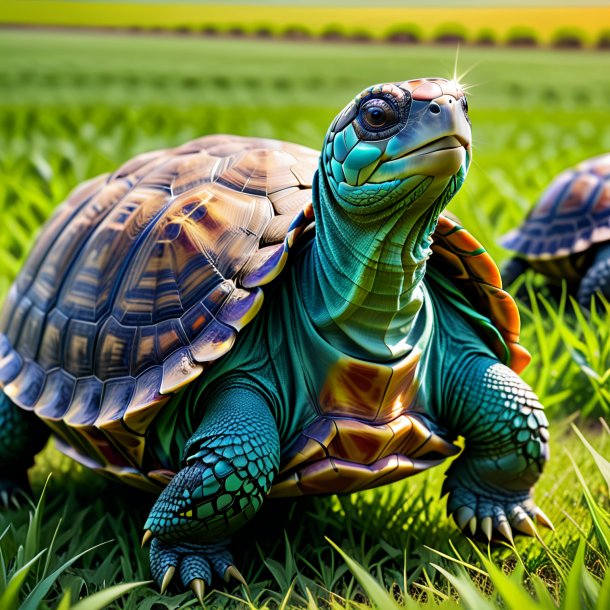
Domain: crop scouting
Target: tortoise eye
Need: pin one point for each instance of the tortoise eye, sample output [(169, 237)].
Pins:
[(378, 114)]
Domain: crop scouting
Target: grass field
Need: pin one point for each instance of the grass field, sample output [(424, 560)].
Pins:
[(74, 106), (374, 21)]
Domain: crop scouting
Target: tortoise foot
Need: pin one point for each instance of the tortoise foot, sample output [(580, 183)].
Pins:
[(194, 564), (497, 516)]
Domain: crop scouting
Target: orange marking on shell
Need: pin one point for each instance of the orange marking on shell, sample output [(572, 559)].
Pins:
[(341, 476), (358, 442), (482, 286)]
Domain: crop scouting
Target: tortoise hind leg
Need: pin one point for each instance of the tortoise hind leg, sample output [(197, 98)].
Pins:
[(228, 468), (22, 436), (597, 279)]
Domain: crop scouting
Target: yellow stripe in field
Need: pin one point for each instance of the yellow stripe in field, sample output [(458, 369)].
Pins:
[(376, 21)]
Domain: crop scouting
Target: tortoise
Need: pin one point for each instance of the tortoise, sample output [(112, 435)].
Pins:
[(566, 236), (185, 326)]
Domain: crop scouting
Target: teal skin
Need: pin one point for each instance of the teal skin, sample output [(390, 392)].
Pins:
[(390, 164), (359, 288)]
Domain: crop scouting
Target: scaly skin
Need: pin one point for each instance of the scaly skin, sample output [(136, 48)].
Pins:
[(490, 483), (228, 468)]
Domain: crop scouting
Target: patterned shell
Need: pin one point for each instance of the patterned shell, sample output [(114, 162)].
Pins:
[(571, 216), (144, 277)]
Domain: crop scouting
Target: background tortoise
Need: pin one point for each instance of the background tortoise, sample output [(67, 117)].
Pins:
[(363, 364), (567, 233)]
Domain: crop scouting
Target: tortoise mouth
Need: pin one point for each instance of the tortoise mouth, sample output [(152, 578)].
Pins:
[(439, 158), (444, 143)]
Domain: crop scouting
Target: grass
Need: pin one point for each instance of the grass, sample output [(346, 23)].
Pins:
[(74, 106), (374, 20)]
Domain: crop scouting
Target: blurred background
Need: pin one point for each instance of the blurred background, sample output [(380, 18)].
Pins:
[(85, 85)]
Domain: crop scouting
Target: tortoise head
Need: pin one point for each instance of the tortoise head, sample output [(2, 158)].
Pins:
[(394, 141)]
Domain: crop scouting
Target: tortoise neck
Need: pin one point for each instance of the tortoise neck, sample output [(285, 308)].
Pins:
[(361, 279)]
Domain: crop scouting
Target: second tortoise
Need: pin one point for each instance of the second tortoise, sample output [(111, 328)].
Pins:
[(566, 235)]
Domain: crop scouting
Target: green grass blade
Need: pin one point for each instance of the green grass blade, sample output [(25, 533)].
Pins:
[(64, 603), (32, 540), (10, 597), (471, 597), (34, 599), (603, 599), (600, 523), (380, 598), (602, 463), (100, 600), (573, 597), (512, 593)]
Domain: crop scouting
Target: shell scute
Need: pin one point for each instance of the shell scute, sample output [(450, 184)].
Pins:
[(113, 355), (117, 395), (19, 310), (84, 407), (56, 396), (10, 367), (50, 353), (79, 347), (26, 387)]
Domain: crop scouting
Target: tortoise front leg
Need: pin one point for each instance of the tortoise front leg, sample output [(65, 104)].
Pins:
[(22, 436), (490, 483), (228, 468)]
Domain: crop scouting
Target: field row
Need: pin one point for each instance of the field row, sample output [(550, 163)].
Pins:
[(45, 67), (525, 26)]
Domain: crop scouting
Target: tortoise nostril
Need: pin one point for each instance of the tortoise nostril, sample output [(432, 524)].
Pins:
[(434, 108)]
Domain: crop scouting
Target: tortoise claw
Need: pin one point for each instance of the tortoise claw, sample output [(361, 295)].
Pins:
[(525, 526), (146, 538), (472, 524), (198, 587), (486, 527), (167, 578), (543, 520), (233, 572), (505, 530), (463, 517)]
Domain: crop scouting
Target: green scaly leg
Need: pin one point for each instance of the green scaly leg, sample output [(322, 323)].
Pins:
[(22, 436), (505, 428), (228, 468)]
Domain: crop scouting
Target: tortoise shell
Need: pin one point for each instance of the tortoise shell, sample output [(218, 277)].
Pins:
[(572, 215), (142, 278)]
